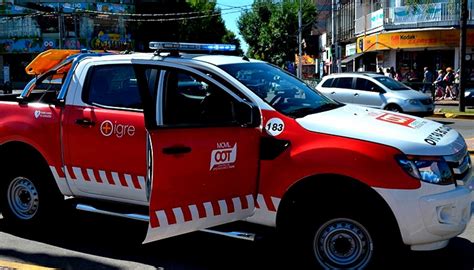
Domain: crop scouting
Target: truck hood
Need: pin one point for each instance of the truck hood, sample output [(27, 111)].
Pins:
[(411, 135)]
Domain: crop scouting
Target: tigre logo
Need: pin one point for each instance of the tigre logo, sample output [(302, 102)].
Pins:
[(107, 128)]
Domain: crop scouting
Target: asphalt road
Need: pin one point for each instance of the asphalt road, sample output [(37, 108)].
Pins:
[(88, 241), (464, 126)]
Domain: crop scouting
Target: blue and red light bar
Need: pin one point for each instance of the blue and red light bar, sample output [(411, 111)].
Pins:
[(178, 46)]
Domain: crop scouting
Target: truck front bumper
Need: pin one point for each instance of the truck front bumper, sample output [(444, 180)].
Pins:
[(431, 215)]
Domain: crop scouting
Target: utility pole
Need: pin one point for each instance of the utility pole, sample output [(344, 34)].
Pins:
[(60, 28), (333, 36), (300, 41), (462, 55)]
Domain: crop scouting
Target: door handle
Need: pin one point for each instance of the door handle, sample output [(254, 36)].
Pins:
[(85, 122), (355, 95), (332, 93), (176, 150)]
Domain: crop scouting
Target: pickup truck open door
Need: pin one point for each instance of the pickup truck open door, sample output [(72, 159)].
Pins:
[(203, 167)]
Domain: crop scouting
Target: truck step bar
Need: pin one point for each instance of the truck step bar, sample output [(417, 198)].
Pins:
[(140, 217)]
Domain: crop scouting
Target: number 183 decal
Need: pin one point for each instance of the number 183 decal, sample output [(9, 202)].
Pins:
[(275, 126)]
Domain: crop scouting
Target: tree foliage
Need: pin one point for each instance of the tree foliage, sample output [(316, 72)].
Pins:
[(209, 29), (271, 28)]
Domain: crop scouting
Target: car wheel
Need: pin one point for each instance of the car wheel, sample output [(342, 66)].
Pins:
[(343, 243), (28, 196), (393, 108)]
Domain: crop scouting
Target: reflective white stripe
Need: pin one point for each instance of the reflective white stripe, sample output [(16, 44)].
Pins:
[(223, 207), (55, 173), (103, 177), (77, 172), (250, 201), (178, 215), (237, 204), (66, 173), (194, 212), (116, 178), (91, 175), (60, 181), (261, 202), (276, 202), (209, 209), (165, 230), (162, 218), (141, 181), (128, 179)]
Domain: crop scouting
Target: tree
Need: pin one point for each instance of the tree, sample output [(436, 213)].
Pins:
[(208, 28), (271, 29)]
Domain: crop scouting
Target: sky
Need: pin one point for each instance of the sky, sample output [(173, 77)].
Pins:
[(231, 15)]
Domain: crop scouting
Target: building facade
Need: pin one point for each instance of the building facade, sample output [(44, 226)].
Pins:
[(30, 27), (393, 33)]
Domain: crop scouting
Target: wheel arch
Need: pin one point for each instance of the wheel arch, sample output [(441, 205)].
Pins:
[(15, 150), (326, 189)]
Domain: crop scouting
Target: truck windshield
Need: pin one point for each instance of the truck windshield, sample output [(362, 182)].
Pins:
[(281, 90)]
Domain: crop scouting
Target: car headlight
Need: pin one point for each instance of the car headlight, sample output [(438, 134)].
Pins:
[(466, 94), (434, 170), (414, 101)]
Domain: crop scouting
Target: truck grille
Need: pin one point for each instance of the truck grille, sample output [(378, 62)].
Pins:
[(461, 165)]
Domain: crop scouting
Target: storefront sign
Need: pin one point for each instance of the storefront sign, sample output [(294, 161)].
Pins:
[(417, 13), (376, 19), (405, 40), (350, 49), (111, 41), (36, 45)]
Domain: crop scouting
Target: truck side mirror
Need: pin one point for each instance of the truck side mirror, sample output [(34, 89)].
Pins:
[(247, 114)]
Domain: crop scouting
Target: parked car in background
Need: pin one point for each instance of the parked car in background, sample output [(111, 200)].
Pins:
[(377, 91), (469, 96)]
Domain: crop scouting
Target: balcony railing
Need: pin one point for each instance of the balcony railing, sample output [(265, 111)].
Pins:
[(423, 13), (432, 15)]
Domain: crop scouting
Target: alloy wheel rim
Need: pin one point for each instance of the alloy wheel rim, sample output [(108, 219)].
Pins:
[(23, 198)]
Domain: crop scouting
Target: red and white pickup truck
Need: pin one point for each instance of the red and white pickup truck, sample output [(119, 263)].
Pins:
[(187, 142)]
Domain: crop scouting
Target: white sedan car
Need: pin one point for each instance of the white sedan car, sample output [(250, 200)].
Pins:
[(377, 91)]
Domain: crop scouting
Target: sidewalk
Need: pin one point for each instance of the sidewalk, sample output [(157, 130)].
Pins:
[(439, 104), (470, 145)]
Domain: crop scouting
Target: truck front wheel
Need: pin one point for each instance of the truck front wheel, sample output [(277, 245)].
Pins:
[(342, 243), (28, 195)]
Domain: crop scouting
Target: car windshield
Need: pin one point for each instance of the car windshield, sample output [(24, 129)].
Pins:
[(391, 83), (281, 90)]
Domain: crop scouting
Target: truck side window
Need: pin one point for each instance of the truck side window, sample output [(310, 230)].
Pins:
[(113, 86), (190, 100)]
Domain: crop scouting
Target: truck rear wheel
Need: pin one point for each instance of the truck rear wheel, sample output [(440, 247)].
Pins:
[(28, 195)]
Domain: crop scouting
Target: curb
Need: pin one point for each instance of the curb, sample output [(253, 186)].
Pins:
[(452, 115)]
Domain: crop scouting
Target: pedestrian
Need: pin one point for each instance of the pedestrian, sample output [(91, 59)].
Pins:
[(439, 85), (388, 73), (392, 71), (381, 71), (449, 81), (428, 79), (398, 76)]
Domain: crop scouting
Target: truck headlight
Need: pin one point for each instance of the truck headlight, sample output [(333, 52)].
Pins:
[(433, 170)]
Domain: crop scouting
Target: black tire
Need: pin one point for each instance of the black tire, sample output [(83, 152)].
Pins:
[(393, 108), (346, 238), (29, 196)]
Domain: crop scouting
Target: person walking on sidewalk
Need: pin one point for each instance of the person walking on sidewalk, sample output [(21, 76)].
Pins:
[(428, 79), (449, 80), (439, 85)]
